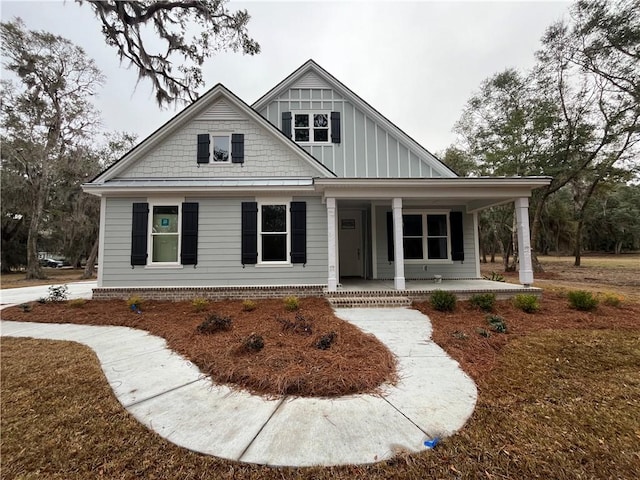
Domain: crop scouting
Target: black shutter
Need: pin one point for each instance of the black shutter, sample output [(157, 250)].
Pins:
[(139, 227), (390, 244), (457, 239), (249, 233), (335, 127), (298, 232), (286, 123), (189, 250), (237, 148), (203, 148)]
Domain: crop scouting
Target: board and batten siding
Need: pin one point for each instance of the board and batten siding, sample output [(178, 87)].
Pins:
[(457, 269), (219, 260), (367, 148), (265, 155)]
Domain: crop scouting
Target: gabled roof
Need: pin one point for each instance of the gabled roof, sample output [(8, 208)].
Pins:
[(191, 112), (312, 66)]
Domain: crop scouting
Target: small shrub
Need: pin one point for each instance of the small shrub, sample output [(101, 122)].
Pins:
[(249, 305), (57, 293), (26, 307), (215, 323), (299, 325), (253, 343), (460, 335), (483, 301), (134, 302), (443, 301), (526, 302), (291, 304), (325, 341), (581, 300), (77, 303), (199, 304), (612, 299), (483, 333), (497, 323), (494, 277)]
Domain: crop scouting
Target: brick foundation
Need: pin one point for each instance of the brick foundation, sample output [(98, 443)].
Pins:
[(210, 293)]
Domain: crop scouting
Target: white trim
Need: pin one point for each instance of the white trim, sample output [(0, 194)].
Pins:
[(332, 277), (524, 241), (266, 201), (398, 278), (163, 202), (101, 239), (160, 266), (476, 242), (374, 242)]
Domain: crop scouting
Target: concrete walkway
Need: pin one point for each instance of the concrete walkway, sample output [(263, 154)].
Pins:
[(12, 296), (169, 395)]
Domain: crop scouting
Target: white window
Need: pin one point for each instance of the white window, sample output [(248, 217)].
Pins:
[(426, 236), (273, 238), (221, 148), (311, 127), (164, 239)]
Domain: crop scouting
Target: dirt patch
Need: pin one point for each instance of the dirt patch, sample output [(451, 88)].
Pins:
[(55, 276), (463, 333), (296, 358)]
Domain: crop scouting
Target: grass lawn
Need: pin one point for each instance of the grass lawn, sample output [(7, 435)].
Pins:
[(55, 276)]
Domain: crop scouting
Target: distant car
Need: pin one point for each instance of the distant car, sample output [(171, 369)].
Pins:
[(51, 263)]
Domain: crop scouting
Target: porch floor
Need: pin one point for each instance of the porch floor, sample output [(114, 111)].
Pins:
[(362, 291)]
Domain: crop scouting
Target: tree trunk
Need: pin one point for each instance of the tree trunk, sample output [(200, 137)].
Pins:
[(578, 243), (34, 271), (89, 268), (535, 228)]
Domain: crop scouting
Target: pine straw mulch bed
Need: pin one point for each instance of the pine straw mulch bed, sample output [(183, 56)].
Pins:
[(289, 364), (462, 332)]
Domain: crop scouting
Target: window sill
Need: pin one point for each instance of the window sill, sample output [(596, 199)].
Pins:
[(274, 264), (162, 266), (315, 144)]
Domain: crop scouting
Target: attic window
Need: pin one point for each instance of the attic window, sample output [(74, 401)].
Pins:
[(221, 148), (311, 127)]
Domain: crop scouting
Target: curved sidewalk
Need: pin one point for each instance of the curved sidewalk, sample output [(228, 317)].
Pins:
[(169, 395)]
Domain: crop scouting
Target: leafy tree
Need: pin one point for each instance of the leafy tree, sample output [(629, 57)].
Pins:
[(190, 32), (459, 161), (45, 114)]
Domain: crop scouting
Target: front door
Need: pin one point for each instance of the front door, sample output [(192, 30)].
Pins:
[(350, 243)]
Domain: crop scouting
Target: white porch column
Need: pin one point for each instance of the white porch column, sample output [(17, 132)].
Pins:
[(332, 283), (398, 250), (524, 241)]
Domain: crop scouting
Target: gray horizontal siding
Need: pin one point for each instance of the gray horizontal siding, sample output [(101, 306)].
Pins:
[(465, 269), (218, 250)]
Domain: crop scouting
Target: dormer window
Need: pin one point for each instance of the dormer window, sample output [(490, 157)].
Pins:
[(312, 127)]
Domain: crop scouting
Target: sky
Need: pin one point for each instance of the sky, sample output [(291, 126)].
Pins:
[(415, 62)]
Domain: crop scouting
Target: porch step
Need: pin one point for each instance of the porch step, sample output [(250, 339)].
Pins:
[(369, 301)]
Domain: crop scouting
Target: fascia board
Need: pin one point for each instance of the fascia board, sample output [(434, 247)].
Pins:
[(128, 191)]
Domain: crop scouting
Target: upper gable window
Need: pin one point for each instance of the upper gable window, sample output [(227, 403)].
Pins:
[(221, 147), (311, 127)]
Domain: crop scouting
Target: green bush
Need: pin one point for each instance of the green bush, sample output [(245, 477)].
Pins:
[(291, 304), (483, 301), (199, 304), (526, 302), (253, 343), (135, 302), (443, 301), (57, 293), (497, 323), (215, 323), (581, 300), (249, 305)]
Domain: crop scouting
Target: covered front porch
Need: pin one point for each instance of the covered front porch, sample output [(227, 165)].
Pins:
[(403, 235)]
